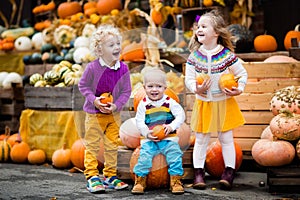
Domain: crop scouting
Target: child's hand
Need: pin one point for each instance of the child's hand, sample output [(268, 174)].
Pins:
[(104, 108), (151, 137), (233, 92), (168, 129), (201, 89)]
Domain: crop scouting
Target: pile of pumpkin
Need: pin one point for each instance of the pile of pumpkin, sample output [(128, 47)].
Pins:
[(280, 140), (61, 75), (14, 149)]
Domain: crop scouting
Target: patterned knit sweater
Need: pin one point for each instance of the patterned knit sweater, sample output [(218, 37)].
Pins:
[(215, 62)]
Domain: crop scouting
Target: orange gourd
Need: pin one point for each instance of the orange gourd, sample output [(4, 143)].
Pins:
[(133, 52), (273, 153), (265, 43), (159, 132), (201, 77), (37, 157), (214, 163), (291, 34), (106, 97), (68, 8), (141, 93), (104, 7), (129, 134), (61, 158), (156, 16), (19, 152), (158, 176), (228, 81)]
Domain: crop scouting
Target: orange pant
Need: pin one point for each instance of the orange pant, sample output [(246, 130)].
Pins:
[(101, 127)]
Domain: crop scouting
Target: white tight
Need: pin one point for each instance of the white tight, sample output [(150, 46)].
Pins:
[(228, 149)]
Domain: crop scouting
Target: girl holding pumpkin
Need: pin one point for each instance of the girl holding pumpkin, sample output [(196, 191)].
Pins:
[(154, 110), (215, 109), (102, 76)]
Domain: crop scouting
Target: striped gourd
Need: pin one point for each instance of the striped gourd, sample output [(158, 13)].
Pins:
[(34, 78), (4, 151), (51, 77)]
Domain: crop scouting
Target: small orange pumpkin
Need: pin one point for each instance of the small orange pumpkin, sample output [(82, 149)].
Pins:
[(158, 176), (104, 7), (106, 97), (265, 43), (68, 8), (156, 16), (133, 52), (159, 132), (201, 77), (227, 81), (61, 158), (37, 157), (291, 34)]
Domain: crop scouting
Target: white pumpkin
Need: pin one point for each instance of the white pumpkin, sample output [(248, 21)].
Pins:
[(12, 77), (80, 54), (23, 43), (2, 77), (37, 40), (81, 41)]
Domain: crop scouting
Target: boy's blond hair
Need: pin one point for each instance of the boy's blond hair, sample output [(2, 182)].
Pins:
[(155, 75), (99, 37)]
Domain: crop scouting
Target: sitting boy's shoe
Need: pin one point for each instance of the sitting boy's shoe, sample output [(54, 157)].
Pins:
[(114, 183), (95, 185)]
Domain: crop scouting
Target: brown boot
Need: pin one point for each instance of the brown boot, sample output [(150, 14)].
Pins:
[(199, 179), (139, 185), (227, 178), (176, 185)]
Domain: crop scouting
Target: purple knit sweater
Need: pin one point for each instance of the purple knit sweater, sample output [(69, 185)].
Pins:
[(98, 79)]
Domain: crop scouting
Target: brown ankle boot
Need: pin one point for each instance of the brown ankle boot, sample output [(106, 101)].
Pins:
[(139, 185), (199, 179), (227, 178), (176, 185)]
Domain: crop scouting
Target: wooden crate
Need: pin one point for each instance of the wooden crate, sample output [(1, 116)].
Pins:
[(264, 79), (53, 98), (284, 179), (124, 155), (11, 104), (38, 68)]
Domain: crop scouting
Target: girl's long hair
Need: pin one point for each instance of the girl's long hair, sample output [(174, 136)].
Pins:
[(220, 28)]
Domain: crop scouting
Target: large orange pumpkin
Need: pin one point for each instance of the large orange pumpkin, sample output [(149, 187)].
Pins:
[(68, 8), (158, 176), (19, 152), (77, 154), (265, 43), (133, 52), (129, 134), (141, 93), (273, 153), (105, 6), (214, 163), (291, 34)]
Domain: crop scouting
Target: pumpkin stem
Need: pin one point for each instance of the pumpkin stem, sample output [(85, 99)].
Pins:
[(286, 112), (7, 131), (237, 78), (297, 27)]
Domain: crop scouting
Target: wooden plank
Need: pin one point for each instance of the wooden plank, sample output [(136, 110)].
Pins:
[(272, 70), (249, 101), (38, 68), (245, 143), (270, 85)]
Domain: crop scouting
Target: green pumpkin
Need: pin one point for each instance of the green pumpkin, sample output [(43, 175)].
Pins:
[(48, 48)]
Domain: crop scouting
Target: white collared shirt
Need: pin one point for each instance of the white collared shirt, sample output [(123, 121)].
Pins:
[(103, 63)]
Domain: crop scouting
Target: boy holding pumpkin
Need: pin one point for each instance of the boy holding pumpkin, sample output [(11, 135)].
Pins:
[(215, 109), (158, 109), (105, 75)]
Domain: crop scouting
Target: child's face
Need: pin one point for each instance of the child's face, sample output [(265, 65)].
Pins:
[(205, 32), (111, 49), (155, 90)]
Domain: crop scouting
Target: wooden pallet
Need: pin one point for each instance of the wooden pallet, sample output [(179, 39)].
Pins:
[(285, 179), (11, 104), (264, 79)]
